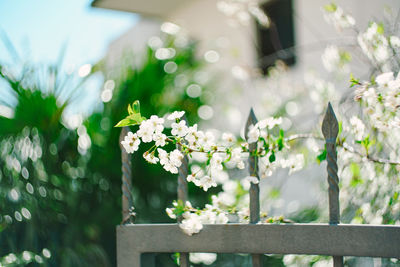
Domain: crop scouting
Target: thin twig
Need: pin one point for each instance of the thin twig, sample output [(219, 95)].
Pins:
[(345, 146)]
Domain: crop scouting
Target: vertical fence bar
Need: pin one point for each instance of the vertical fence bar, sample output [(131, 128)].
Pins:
[(330, 129), (254, 188), (183, 195), (127, 201)]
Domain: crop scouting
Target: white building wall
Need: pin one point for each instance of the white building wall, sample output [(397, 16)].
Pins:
[(205, 23)]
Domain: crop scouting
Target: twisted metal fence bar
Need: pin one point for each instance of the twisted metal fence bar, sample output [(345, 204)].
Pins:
[(254, 187), (330, 130), (128, 214), (183, 196)]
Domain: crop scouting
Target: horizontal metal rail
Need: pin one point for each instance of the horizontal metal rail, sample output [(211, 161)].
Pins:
[(311, 239)]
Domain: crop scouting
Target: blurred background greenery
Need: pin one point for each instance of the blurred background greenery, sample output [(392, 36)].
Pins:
[(60, 180)]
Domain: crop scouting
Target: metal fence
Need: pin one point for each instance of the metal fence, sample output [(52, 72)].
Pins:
[(333, 239)]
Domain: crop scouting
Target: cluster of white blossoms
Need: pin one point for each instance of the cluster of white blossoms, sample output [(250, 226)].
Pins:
[(357, 127), (205, 258), (381, 101), (369, 177), (191, 140), (243, 11), (226, 152), (335, 59), (374, 44), (335, 16), (260, 129), (193, 219)]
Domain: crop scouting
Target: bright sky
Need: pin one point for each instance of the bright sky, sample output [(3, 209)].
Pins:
[(39, 29)]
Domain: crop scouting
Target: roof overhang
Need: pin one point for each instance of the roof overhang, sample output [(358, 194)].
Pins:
[(154, 8)]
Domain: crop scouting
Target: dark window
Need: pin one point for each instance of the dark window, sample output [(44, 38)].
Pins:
[(277, 41)]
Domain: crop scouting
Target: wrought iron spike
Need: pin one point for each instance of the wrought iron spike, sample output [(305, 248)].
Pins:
[(330, 130), (254, 191), (330, 125), (182, 192), (182, 174), (251, 120), (127, 202)]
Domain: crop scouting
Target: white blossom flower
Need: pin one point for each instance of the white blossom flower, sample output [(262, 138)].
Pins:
[(221, 218), (252, 179), (176, 157), (374, 44), (225, 199), (188, 204), (216, 161), (206, 140), (394, 41), (191, 224), (358, 128), (269, 123), (149, 157), (191, 177), (163, 155), (335, 16), (267, 168), (240, 165), (205, 182), (170, 213), (219, 176), (384, 78), (179, 129), (253, 134), (244, 214), (191, 135), (157, 123), (170, 168), (294, 163), (236, 158), (228, 138), (208, 216), (131, 142), (203, 258), (159, 138), (175, 115), (146, 130)]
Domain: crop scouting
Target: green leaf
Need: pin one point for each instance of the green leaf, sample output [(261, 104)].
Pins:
[(330, 8), (272, 158), (275, 193), (354, 81), (130, 111), (345, 56), (136, 106), (280, 140), (321, 157), (380, 29), (131, 120)]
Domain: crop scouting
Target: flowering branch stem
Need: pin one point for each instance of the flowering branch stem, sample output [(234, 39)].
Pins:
[(345, 146)]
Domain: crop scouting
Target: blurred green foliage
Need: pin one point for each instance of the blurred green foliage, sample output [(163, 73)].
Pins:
[(60, 190)]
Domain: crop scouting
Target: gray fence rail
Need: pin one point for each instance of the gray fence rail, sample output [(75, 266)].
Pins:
[(333, 239)]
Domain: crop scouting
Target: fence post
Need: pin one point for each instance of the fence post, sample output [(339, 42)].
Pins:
[(183, 195), (127, 201), (330, 129), (254, 188)]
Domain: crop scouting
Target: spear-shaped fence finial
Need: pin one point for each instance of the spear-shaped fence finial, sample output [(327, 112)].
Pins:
[(182, 192), (254, 188), (330, 126), (330, 130)]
